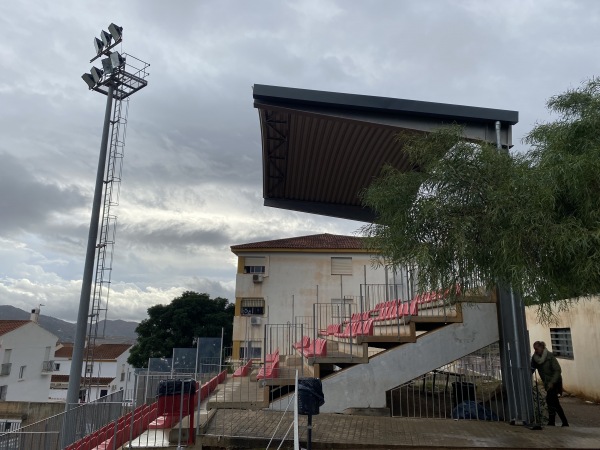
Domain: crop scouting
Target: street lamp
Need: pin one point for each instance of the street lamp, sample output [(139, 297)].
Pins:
[(117, 80)]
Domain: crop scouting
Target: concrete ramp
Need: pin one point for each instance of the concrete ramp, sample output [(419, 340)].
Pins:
[(365, 385)]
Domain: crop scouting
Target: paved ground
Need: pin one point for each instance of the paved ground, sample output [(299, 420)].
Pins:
[(581, 413), (235, 429)]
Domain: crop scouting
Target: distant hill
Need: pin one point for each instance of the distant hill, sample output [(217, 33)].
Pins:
[(116, 330)]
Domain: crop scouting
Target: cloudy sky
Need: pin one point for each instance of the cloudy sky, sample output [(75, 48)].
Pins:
[(192, 175)]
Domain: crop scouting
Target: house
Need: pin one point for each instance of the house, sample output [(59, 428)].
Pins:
[(26, 351), (109, 372), (574, 338), (278, 281)]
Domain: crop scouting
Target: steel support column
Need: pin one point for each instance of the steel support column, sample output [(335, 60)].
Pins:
[(514, 355)]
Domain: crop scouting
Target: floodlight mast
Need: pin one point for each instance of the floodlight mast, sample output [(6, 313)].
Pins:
[(118, 83)]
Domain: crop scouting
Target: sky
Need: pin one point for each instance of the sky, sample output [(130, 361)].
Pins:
[(192, 179)]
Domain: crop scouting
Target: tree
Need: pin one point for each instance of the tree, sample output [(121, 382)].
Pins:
[(175, 325), (473, 214)]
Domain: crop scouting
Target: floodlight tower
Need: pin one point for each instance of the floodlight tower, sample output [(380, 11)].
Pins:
[(121, 76)]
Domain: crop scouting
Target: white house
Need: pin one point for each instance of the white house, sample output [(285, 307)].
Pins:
[(107, 374), (278, 281), (26, 351), (574, 338)]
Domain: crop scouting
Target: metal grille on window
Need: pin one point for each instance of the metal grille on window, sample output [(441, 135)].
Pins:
[(253, 306), (562, 345), (341, 266)]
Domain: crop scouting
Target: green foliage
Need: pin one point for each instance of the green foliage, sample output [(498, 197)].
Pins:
[(472, 212), (176, 324)]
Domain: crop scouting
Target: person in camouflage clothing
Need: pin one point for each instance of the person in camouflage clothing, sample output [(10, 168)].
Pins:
[(550, 372)]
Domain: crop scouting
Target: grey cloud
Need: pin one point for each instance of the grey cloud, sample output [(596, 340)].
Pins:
[(27, 203)]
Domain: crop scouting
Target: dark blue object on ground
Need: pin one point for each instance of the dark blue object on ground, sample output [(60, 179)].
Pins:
[(473, 411)]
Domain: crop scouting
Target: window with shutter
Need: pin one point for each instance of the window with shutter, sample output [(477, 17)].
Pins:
[(254, 264), (341, 265)]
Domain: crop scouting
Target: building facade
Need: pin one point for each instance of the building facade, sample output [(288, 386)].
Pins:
[(279, 281), (109, 372), (26, 351), (574, 338)]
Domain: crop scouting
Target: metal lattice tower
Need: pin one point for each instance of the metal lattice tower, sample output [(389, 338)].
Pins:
[(125, 81)]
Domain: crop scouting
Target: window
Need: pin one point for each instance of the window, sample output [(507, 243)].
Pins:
[(253, 306), (89, 368), (341, 265), (128, 376), (56, 367), (250, 349), (122, 376), (22, 372), (3, 390), (254, 264), (562, 346), (7, 354), (103, 392)]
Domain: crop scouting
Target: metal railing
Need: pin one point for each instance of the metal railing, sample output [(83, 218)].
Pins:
[(48, 366), (468, 388), (47, 434), (245, 407)]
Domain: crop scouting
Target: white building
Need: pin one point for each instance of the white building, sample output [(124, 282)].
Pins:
[(281, 279), (574, 338), (109, 372), (26, 351)]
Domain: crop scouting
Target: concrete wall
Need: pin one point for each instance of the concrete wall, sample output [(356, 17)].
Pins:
[(29, 412), (298, 274), (28, 345), (581, 375), (365, 385)]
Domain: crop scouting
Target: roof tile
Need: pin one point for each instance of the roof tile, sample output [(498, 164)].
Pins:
[(323, 241), (6, 326)]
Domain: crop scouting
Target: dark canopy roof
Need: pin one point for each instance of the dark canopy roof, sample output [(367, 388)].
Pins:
[(320, 149)]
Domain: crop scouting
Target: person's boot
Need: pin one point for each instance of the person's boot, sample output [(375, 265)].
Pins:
[(565, 424), (552, 420)]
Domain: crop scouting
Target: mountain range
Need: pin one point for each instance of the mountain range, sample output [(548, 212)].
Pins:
[(116, 330)]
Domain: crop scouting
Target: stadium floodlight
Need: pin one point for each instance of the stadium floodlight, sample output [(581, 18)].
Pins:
[(116, 60), (87, 77), (106, 38), (98, 45), (107, 66), (116, 31), (96, 74), (112, 63)]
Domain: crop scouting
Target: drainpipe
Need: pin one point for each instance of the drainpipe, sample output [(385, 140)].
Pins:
[(498, 141)]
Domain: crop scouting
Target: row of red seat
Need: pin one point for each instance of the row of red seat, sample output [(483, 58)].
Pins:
[(271, 367), (318, 349), (359, 328), (115, 435), (244, 370), (311, 349)]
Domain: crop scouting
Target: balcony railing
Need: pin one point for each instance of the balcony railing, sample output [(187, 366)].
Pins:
[(5, 369), (48, 366)]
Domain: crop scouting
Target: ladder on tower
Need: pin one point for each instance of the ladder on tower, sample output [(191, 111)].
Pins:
[(106, 242)]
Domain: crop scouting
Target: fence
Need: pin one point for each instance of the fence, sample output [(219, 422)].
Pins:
[(469, 388), (83, 419), (251, 406)]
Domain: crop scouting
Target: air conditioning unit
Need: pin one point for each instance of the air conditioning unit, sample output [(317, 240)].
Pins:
[(257, 278), (255, 321)]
